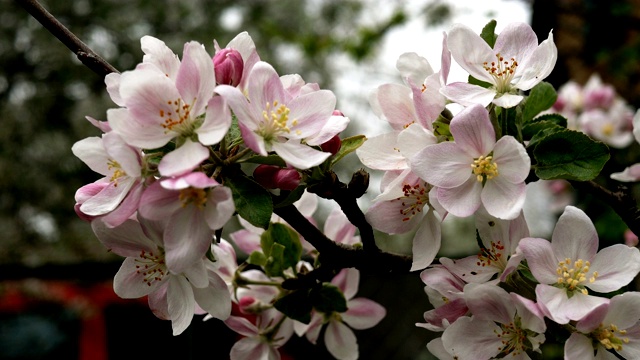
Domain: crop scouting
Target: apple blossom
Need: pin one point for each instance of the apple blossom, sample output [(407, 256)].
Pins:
[(475, 169), (262, 339), (194, 205), (172, 295), (570, 264), (503, 325), (613, 326), (445, 292), (515, 63), (271, 119)]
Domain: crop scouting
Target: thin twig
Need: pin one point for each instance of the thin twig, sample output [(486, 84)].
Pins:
[(87, 56)]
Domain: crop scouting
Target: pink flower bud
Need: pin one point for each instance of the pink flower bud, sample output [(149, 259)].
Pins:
[(247, 305), (600, 98), (630, 239), (274, 177), (228, 65), (332, 145)]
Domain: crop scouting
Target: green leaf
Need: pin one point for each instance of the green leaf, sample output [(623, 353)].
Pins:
[(267, 160), (328, 299), (531, 129), (257, 258), (488, 33), (348, 146), (296, 305), (274, 265), (252, 201), (554, 118), (441, 130), (569, 155), (540, 98), (285, 237)]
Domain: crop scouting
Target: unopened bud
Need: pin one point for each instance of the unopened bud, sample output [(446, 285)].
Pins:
[(228, 65), (359, 183), (332, 145), (274, 177)]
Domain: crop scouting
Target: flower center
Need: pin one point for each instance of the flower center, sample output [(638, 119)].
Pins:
[(484, 168), (609, 337), (414, 199), (573, 277), (492, 256), (195, 196), (607, 129), (178, 118), (151, 266), (502, 72), (513, 338), (117, 171), (275, 121)]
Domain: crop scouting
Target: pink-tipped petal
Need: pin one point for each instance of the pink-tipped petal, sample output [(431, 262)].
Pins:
[(574, 236), (183, 159), (472, 131), (341, 341), (363, 313), (216, 122)]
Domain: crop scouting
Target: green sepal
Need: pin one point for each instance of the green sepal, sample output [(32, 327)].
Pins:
[(328, 298), (541, 97), (570, 155), (253, 202), (348, 145), (275, 264)]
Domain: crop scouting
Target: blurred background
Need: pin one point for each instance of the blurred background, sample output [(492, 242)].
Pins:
[(56, 299)]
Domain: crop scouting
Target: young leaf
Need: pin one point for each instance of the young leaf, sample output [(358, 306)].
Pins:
[(569, 155), (288, 239), (274, 265), (257, 258), (328, 299), (349, 145), (540, 98), (252, 201), (295, 305), (488, 33)]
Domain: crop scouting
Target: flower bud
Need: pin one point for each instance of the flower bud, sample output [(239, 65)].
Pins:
[(359, 183), (228, 65), (332, 145), (274, 177)]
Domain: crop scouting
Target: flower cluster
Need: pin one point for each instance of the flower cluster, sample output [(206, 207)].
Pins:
[(203, 139)]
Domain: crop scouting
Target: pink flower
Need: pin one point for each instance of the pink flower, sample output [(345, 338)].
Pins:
[(404, 205), (613, 326), (262, 339), (116, 196), (272, 119), (571, 263), (193, 205), (475, 169), (162, 102), (503, 325), (515, 63), (172, 295), (445, 292), (361, 314), (498, 256)]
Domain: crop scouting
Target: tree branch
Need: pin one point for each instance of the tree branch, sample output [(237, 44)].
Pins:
[(621, 201), (338, 256), (87, 56)]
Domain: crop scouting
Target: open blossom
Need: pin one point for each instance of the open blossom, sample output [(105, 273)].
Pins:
[(406, 204), (570, 264), (174, 296), (498, 255), (503, 325), (116, 196), (515, 63), (262, 339), (272, 119), (612, 326), (445, 292), (612, 126), (362, 314), (162, 102), (475, 169), (193, 205)]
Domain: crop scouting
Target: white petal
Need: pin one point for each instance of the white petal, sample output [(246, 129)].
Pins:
[(181, 304), (426, 241), (299, 156), (468, 94), (183, 159), (340, 341)]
